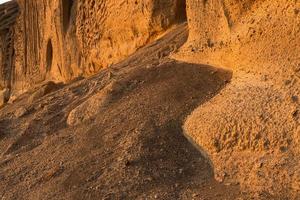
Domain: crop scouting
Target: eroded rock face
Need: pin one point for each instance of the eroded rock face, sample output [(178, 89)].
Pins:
[(63, 39), (211, 23), (250, 132), (8, 14), (251, 129), (121, 28), (244, 34)]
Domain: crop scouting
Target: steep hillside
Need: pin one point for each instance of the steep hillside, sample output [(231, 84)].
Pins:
[(116, 135)]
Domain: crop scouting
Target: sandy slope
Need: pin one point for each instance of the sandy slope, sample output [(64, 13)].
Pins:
[(131, 148)]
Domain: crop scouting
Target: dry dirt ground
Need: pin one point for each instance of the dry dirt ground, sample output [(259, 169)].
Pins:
[(116, 135)]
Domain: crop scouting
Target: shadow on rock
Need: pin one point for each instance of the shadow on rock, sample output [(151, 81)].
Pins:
[(144, 140)]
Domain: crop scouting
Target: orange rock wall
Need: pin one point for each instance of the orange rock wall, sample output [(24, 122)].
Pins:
[(63, 39)]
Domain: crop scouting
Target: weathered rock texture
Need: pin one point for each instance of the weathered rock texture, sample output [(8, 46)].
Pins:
[(63, 39), (251, 129), (8, 14)]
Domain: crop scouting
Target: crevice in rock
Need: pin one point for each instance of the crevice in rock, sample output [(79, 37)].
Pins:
[(181, 11), (66, 13), (49, 55)]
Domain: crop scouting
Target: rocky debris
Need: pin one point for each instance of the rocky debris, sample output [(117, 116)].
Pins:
[(43, 90), (94, 104), (22, 111)]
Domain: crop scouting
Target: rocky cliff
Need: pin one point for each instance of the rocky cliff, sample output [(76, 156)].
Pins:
[(64, 39), (8, 14)]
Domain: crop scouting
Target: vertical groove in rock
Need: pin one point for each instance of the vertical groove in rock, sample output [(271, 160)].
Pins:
[(8, 14)]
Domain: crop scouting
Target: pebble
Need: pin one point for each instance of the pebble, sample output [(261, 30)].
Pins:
[(20, 112)]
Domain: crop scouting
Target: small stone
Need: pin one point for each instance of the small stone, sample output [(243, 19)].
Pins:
[(220, 179), (20, 112), (39, 106), (194, 195), (260, 165), (110, 75), (149, 179), (213, 72), (12, 99)]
